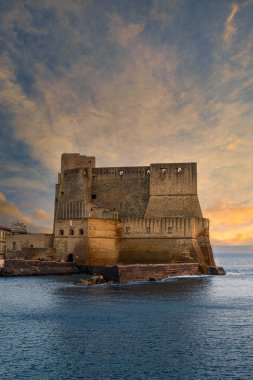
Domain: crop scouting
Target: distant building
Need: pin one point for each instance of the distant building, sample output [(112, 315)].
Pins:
[(18, 228), (3, 232)]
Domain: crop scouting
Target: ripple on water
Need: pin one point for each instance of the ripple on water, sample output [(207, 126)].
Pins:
[(187, 328)]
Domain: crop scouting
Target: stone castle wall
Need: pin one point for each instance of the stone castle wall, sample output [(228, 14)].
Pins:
[(124, 189), (158, 190), (71, 238), (157, 207), (29, 240)]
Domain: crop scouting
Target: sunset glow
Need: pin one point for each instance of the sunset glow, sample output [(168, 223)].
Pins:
[(132, 83)]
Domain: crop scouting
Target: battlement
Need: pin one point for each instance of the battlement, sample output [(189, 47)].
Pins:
[(75, 160), (158, 190), (123, 172)]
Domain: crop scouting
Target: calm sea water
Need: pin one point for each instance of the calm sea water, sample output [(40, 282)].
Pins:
[(188, 328)]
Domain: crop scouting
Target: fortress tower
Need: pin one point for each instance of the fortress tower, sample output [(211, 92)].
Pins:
[(129, 215)]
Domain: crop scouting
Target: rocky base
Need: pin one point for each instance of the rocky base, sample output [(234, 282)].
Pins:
[(150, 272), (217, 271)]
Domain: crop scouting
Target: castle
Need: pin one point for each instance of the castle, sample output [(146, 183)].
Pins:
[(127, 223), (129, 215)]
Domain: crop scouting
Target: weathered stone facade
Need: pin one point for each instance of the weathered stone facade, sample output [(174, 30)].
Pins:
[(129, 215), (30, 246)]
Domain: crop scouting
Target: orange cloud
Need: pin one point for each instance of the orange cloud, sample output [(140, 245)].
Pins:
[(231, 224), (230, 214), (40, 214), (230, 29), (9, 212), (2, 197)]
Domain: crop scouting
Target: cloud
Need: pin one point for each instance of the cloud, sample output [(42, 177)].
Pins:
[(121, 32), (40, 214), (230, 28), (78, 77), (231, 224), (9, 212), (2, 198)]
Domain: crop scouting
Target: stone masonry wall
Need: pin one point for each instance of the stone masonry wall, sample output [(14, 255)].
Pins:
[(157, 272), (173, 191), (103, 242), (71, 238), (29, 241), (36, 267), (124, 189)]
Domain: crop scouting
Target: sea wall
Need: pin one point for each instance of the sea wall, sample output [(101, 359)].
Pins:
[(144, 272), (36, 267), (156, 272)]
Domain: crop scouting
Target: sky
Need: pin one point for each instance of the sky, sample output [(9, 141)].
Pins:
[(132, 83)]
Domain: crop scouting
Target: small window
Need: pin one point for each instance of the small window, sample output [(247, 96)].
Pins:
[(94, 196), (61, 232), (71, 232), (115, 215), (14, 246), (31, 246), (127, 230), (81, 231), (148, 230), (170, 230)]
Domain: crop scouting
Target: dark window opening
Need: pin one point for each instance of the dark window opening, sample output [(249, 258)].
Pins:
[(14, 246), (81, 231), (94, 196), (70, 258), (31, 246), (71, 232), (61, 232)]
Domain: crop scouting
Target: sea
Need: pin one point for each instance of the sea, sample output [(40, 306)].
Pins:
[(198, 327)]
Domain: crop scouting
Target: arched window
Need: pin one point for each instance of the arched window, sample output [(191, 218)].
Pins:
[(71, 231)]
